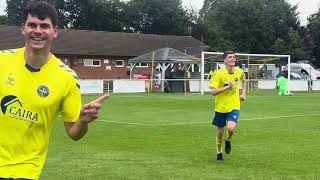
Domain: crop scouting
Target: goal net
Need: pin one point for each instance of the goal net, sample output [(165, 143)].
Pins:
[(261, 70)]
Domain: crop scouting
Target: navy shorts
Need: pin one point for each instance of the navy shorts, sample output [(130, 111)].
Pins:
[(220, 119)]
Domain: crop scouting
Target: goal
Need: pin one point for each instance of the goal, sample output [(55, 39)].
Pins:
[(261, 70)]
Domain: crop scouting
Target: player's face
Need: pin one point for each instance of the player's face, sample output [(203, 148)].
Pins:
[(230, 60), (39, 33)]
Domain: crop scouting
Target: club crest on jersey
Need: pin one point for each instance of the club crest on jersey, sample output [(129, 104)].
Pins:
[(43, 91), (11, 105)]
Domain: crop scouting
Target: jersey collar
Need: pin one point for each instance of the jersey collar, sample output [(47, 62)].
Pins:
[(32, 69)]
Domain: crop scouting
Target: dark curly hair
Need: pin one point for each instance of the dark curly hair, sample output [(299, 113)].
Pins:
[(42, 10)]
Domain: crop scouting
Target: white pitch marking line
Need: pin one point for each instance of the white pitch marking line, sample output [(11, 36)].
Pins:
[(128, 123), (173, 124)]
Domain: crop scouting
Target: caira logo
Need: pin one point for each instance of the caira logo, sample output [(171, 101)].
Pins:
[(12, 105)]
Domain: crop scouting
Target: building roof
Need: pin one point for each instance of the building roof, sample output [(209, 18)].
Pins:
[(102, 43), (165, 55)]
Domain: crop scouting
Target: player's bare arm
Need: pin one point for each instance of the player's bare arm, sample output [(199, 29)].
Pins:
[(243, 94), (89, 112)]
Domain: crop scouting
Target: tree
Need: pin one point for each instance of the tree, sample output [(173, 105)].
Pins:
[(294, 45), (80, 13), (15, 9), (106, 15), (60, 6), (279, 46), (96, 15), (197, 27), (4, 20), (314, 27), (246, 25), (296, 48), (158, 17)]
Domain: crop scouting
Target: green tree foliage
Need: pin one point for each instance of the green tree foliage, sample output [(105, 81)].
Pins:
[(60, 5), (296, 48), (158, 17), (198, 28), (279, 46), (107, 15), (4, 20), (293, 45), (96, 15), (253, 26), (314, 27), (15, 10)]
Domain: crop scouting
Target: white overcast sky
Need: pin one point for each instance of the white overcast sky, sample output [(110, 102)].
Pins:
[(305, 7)]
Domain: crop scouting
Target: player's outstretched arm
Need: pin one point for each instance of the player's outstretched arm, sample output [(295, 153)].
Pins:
[(89, 112)]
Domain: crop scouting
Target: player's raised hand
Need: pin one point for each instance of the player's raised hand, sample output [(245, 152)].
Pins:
[(89, 112)]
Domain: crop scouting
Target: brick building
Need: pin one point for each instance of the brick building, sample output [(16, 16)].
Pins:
[(101, 54)]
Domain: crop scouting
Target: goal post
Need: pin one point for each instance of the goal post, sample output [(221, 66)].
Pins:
[(252, 64)]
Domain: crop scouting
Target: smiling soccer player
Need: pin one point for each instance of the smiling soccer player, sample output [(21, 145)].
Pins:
[(36, 86), (226, 87)]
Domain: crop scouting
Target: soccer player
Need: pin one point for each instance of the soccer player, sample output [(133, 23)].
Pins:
[(282, 85), (226, 87), (36, 86)]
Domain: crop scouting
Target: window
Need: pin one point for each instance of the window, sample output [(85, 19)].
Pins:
[(142, 65), (92, 62), (96, 63), (119, 63)]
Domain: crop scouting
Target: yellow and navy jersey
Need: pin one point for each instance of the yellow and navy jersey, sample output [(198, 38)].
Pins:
[(211, 74), (228, 100), (30, 102), (6, 53)]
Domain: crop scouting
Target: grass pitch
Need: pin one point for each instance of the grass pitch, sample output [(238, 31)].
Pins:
[(170, 136)]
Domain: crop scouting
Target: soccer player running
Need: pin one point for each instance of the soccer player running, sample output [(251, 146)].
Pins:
[(36, 86), (226, 87)]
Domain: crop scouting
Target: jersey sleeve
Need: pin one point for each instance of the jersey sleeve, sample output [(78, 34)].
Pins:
[(211, 73), (71, 104), (4, 54), (215, 81)]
